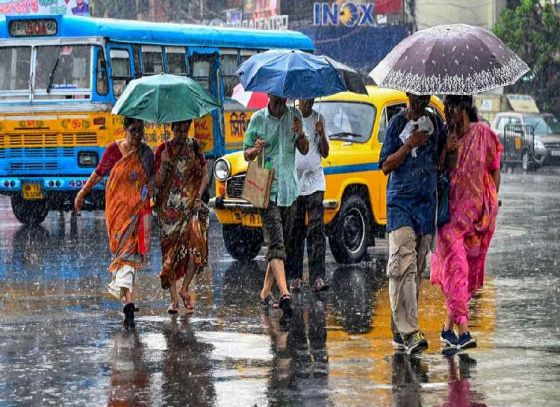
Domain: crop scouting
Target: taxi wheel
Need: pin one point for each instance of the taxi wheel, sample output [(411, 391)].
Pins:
[(348, 236), (29, 212), (243, 244)]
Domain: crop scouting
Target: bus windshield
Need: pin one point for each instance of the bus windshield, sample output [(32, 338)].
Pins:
[(59, 69), (15, 63), (63, 67)]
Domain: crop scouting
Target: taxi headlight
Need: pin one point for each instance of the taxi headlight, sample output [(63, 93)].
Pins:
[(222, 169)]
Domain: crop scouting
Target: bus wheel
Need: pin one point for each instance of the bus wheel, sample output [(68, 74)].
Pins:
[(243, 244), (348, 235), (29, 212)]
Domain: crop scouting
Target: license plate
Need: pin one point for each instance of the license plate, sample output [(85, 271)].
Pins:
[(32, 192), (555, 153), (252, 220)]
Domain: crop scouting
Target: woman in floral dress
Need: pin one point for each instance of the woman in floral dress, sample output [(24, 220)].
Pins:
[(181, 178)]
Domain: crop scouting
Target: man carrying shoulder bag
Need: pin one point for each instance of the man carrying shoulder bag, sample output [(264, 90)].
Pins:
[(279, 128)]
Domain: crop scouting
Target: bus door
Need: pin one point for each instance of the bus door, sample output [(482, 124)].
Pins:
[(204, 67), (121, 67)]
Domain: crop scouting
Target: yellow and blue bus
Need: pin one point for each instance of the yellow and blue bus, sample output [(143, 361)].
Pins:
[(61, 75)]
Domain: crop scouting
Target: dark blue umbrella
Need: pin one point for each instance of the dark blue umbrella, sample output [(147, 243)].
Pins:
[(290, 74)]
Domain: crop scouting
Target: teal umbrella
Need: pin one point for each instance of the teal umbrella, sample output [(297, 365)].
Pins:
[(165, 98)]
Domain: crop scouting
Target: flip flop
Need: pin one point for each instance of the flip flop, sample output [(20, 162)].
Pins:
[(173, 309), (270, 302), (189, 307)]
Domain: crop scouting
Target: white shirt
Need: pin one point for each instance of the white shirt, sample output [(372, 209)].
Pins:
[(309, 167)]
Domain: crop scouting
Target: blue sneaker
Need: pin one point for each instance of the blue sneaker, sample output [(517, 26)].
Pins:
[(398, 342), (466, 341), (449, 338)]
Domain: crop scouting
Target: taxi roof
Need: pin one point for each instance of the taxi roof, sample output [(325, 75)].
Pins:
[(378, 96)]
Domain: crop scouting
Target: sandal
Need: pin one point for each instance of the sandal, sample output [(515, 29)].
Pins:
[(270, 302), (173, 309), (286, 306), (189, 307), (320, 285)]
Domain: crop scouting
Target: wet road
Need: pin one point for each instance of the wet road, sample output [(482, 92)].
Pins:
[(61, 342)]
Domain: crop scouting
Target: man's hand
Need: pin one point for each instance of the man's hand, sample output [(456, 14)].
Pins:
[(259, 146), (253, 152), (296, 126), (320, 128), (417, 139)]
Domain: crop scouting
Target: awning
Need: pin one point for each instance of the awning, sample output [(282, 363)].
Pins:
[(522, 103)]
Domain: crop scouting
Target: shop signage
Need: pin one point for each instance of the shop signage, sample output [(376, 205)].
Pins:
[(348, 14)]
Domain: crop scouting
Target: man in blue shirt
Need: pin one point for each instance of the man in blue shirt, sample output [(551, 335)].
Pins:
[(410, 157)]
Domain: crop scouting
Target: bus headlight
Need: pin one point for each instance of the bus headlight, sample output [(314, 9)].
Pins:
[(87, 159), (222, 169)]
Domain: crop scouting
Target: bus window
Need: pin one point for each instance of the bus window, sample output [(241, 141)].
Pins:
[(245, 54), (176, 62), (228, 60), (137, 67), (120, 64), (101, 80), (152, 60), (15, 65), (200, 69), (65, 67)]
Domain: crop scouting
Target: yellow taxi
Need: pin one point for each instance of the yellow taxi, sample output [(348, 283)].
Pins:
[(355, 198)]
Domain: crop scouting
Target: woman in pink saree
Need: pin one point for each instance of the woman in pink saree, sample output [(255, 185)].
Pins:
[(472, 159)]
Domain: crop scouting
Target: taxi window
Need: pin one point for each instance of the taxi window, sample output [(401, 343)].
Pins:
[(386, 116), (347, 121)]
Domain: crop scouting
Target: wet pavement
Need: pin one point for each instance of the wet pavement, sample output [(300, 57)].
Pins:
[(61, 341)]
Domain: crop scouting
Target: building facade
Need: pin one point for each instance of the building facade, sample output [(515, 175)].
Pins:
[(481, 13)]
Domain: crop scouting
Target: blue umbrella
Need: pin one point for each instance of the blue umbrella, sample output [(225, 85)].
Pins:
[(290, 74)]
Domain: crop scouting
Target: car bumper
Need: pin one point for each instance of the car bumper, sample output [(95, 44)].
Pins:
[(241, 212), (13, 184)]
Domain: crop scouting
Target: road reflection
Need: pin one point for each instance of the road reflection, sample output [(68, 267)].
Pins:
[(299, 372), (459, 387)]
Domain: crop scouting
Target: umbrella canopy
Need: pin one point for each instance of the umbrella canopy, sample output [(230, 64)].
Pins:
[(165, 98), (352, 80), (251, 100), (290, 74), (449, 59)]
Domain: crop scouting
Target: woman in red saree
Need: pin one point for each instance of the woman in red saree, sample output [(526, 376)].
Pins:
[(473, 164), (181, 178), (129, 163)]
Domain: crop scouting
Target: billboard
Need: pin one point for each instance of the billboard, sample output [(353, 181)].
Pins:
[(255, 9), (32, 7)]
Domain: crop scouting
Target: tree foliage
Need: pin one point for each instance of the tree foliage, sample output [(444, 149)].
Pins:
[(532, 29)]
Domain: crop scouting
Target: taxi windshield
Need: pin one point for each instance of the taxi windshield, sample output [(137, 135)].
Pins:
[(348, 121)]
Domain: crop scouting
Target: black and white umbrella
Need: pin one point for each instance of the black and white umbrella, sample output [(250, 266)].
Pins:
[(455, 59)]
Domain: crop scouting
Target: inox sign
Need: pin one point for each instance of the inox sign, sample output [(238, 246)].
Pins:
[(348, 14)]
